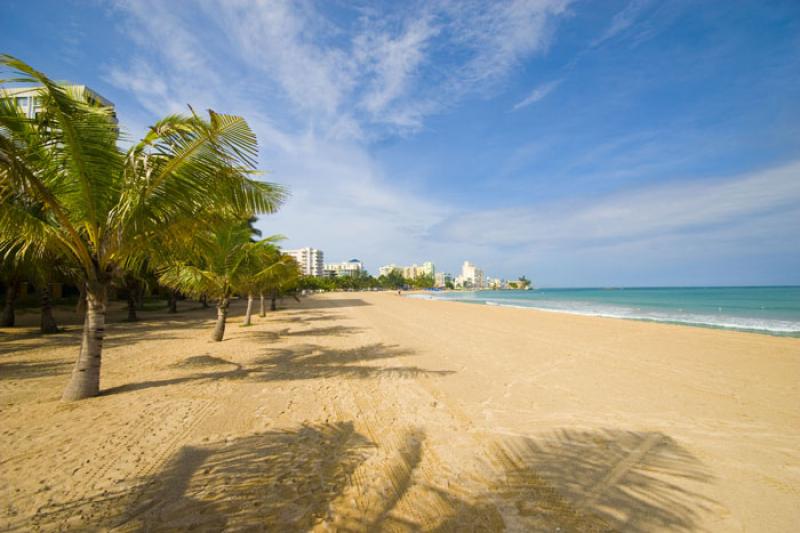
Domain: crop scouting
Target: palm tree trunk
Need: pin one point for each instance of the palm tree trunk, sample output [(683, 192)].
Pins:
[(48, 322), (132, 285), (222, 314), (173, 301), (132, 316), (204, 301), (273, 306), (80, 307), (262, 311), (140, 296), (249, 312), (9, 317), (85, 380)]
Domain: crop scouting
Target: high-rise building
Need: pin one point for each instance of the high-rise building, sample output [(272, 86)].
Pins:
[(471, 277), (410, 272), (441, 279), (388, 269), (354, 267), (29, 98), (310, 260)]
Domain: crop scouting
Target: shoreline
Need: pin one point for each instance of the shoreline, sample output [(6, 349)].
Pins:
[(791, 333)]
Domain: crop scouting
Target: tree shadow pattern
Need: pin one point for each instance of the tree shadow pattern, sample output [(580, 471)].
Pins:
[(328, 303), (322, 475), (608, 480), (273, 481), (571, 481), (30, 370), (309, 361)]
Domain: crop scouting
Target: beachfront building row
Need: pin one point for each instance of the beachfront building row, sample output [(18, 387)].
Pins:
[(352, 268), (427, 269), (310, 261)]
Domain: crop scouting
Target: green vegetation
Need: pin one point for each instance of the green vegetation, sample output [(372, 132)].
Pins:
[(70, 194), (217, 262), (363, 281), (521, 283)]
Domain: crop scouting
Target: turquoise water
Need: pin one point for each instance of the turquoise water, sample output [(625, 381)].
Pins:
[(774, 310)]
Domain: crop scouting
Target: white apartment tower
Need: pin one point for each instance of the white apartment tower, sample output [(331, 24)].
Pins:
[(354, 267), (473, 275), (410, 272), (310, 260)]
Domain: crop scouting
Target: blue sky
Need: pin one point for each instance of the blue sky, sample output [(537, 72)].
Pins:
[(581, 143)]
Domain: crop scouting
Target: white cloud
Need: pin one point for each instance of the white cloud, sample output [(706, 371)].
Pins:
[(379, 70), (623, 20), (393, 62), (537, 94), (501, 34), (279, 39), (314, 91), (651, 212)]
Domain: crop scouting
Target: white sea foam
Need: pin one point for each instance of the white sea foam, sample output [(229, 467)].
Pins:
[(613, 311)]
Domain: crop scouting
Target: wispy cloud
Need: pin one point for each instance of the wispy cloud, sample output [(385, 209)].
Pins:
[(499, 35), (314, 91), (652, 212), (623, 20), (391, 62), (384, 69), (537, 94), (318, 93)]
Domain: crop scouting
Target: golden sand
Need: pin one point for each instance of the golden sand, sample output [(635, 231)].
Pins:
[(370, 411)]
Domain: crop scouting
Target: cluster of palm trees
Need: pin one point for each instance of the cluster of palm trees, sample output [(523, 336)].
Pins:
[(178, 203)]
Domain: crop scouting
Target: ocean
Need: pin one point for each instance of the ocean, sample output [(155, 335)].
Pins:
[(772, 310)]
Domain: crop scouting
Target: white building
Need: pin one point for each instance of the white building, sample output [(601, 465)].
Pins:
[(354, 267), (388, 269), (427, 269), (495, 283), (409, 272), (29, 100), (310, 260), (471, 277), (441, 279)]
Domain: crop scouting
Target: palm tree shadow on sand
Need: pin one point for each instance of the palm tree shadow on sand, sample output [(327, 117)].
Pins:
[(301, 362), (276, 480), (330, 475), (311, 361), (582, 481)]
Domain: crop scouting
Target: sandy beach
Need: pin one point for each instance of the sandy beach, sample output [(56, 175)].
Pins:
[(369, 411)]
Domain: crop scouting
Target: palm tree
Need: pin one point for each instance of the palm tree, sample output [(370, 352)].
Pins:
[(266, 262), (282, 277), (218, 262), (101, 206)]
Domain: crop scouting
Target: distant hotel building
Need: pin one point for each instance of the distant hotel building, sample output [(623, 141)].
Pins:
[(354, 267), (409, 272), (310, 260), (29, 101), (388, 269), (495, 283), (471, 277), (441, 279)]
